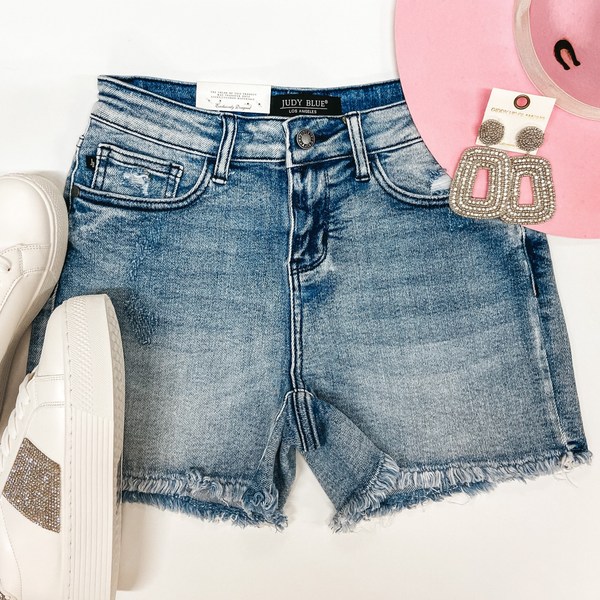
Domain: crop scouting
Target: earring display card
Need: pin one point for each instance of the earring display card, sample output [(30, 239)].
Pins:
[(516, 111)]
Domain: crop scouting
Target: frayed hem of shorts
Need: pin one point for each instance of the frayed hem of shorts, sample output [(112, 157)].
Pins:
[(393, 489), (208, 498)]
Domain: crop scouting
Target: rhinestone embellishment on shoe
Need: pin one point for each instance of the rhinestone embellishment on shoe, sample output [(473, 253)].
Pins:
[(33, 487)]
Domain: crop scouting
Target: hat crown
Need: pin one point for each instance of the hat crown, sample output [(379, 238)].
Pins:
[(565, 40)]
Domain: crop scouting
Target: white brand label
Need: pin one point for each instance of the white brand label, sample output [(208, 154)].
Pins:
[(234, 97), (516, 111)]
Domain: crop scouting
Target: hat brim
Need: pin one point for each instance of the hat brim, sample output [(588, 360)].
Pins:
[(450, 55)]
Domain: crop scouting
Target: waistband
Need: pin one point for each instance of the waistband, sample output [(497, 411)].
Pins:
[(375, 115)]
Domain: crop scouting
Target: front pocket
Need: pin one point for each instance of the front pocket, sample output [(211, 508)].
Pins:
[(127, 173), (411, 174), (199, 179)]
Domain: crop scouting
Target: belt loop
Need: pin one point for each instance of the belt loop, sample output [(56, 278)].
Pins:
[(359, 148), (225, 148)]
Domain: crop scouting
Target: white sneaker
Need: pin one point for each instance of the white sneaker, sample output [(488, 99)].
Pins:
[(33, 244), (60, 509)]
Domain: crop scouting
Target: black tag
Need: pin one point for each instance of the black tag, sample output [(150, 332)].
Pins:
[(305, 104), (90, 161)]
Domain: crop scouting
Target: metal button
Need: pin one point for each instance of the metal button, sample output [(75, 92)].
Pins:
[(305, 139)]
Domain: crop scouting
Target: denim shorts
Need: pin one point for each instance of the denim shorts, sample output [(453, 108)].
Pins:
[(300, 284)]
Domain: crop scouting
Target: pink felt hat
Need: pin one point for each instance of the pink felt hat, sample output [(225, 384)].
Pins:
[(451, 53)]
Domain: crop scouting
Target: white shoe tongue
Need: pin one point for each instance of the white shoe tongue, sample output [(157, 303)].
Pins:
[(53, 350)]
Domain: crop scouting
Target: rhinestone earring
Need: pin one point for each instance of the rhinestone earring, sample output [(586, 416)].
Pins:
[(542, 185), (496, 162)]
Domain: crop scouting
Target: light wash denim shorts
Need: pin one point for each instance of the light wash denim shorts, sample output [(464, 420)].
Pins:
[(300, 284)]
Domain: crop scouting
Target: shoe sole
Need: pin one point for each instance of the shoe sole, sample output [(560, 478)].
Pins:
[(58, 218), (94, 414)]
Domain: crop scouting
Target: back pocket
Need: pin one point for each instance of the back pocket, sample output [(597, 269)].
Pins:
[(131, 174)]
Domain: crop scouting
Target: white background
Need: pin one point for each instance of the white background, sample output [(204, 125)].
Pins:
[(535, 541)]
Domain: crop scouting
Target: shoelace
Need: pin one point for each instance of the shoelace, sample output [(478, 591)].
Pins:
[(12, 429), (5, 264)]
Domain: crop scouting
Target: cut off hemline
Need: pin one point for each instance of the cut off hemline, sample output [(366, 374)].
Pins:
[(391, 490)]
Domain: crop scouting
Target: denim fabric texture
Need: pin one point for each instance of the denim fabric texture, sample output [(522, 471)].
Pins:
[(275, 298)]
